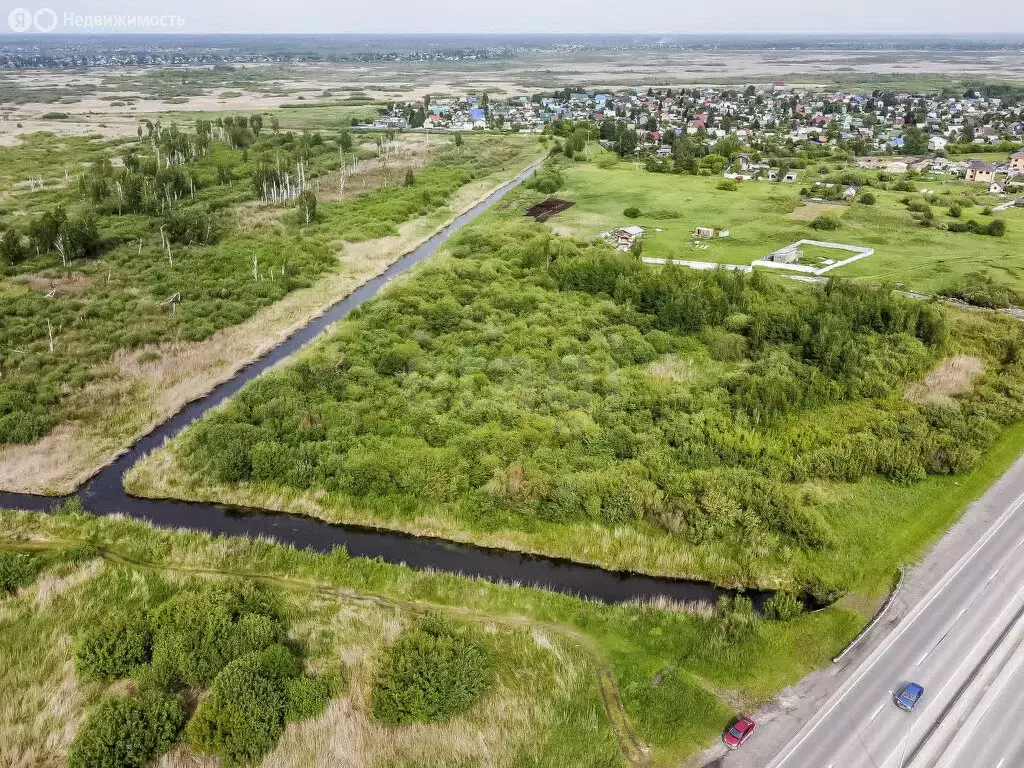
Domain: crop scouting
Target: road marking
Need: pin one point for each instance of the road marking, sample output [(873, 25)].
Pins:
[(998, 765), (895, 635), (977, 596), (880, 708)]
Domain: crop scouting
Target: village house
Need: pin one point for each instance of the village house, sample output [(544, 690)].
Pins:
[(626, 236), (980, 173), (1017, 161)]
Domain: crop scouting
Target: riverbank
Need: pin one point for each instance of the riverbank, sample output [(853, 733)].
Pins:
[(137, 391), (661, 683)]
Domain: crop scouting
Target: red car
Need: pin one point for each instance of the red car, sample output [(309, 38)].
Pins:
[(739, 733)]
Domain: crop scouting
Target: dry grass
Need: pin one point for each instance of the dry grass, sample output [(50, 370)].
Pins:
[(49, 281), (137, 390), (541, 677), (672, 368), (809, 211), (953, 376), (411, 152)]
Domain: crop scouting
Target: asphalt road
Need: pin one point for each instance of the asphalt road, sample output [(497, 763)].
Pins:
[(964, 642)]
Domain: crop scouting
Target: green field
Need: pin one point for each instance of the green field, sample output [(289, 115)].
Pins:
[(331, 116), (764, 216), (572, 682)]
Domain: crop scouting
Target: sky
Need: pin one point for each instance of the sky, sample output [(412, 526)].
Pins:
[(555, 16)]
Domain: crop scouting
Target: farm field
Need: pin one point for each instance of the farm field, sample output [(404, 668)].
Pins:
[(232, 277), (565, 681), (764, 216)]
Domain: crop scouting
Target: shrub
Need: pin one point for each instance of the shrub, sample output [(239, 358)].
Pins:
[(782, 606), (547, 180), (996, 228), (305, 697), (16, 570), (196, 633), (986, 211), (632, 212), (113, 649), (192, 225), (982, 291), (430, 674), (127, 732), (826, 221), (243, 716), (735, 618), (955, 210), (728, 185), (867, 198)]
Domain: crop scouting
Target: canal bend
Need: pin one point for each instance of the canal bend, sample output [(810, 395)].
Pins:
[(104, 494)]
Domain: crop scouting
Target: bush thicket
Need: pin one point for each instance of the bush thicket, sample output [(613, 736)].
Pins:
[(532, 379), (430, 674), (16, 570), (113, 649), (127, 731)]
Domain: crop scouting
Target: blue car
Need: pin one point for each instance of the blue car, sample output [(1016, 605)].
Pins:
[(907, 696)]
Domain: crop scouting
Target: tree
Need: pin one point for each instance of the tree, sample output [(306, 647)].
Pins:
[(458, 140), (345, 141), (410, 177), (80, 237), (43, 231), (275, 124), (626, 141), (256, 124), (10, 246), (307, 205)]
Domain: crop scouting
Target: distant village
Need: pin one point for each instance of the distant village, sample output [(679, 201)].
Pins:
[(896, 131)]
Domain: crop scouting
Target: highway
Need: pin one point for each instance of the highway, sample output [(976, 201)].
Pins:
[(964, 642)]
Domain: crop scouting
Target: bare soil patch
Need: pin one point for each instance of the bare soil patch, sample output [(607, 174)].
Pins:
[(953, 376), (545, 209)]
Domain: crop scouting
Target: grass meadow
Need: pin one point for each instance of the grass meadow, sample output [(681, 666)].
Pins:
[(576, 682), (764, 216)]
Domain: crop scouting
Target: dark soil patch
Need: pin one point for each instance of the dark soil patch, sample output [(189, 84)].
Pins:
[(545, 209)]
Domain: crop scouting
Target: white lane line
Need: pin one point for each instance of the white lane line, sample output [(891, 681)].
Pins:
[(998, 765), (977, 596), (895, 635)]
